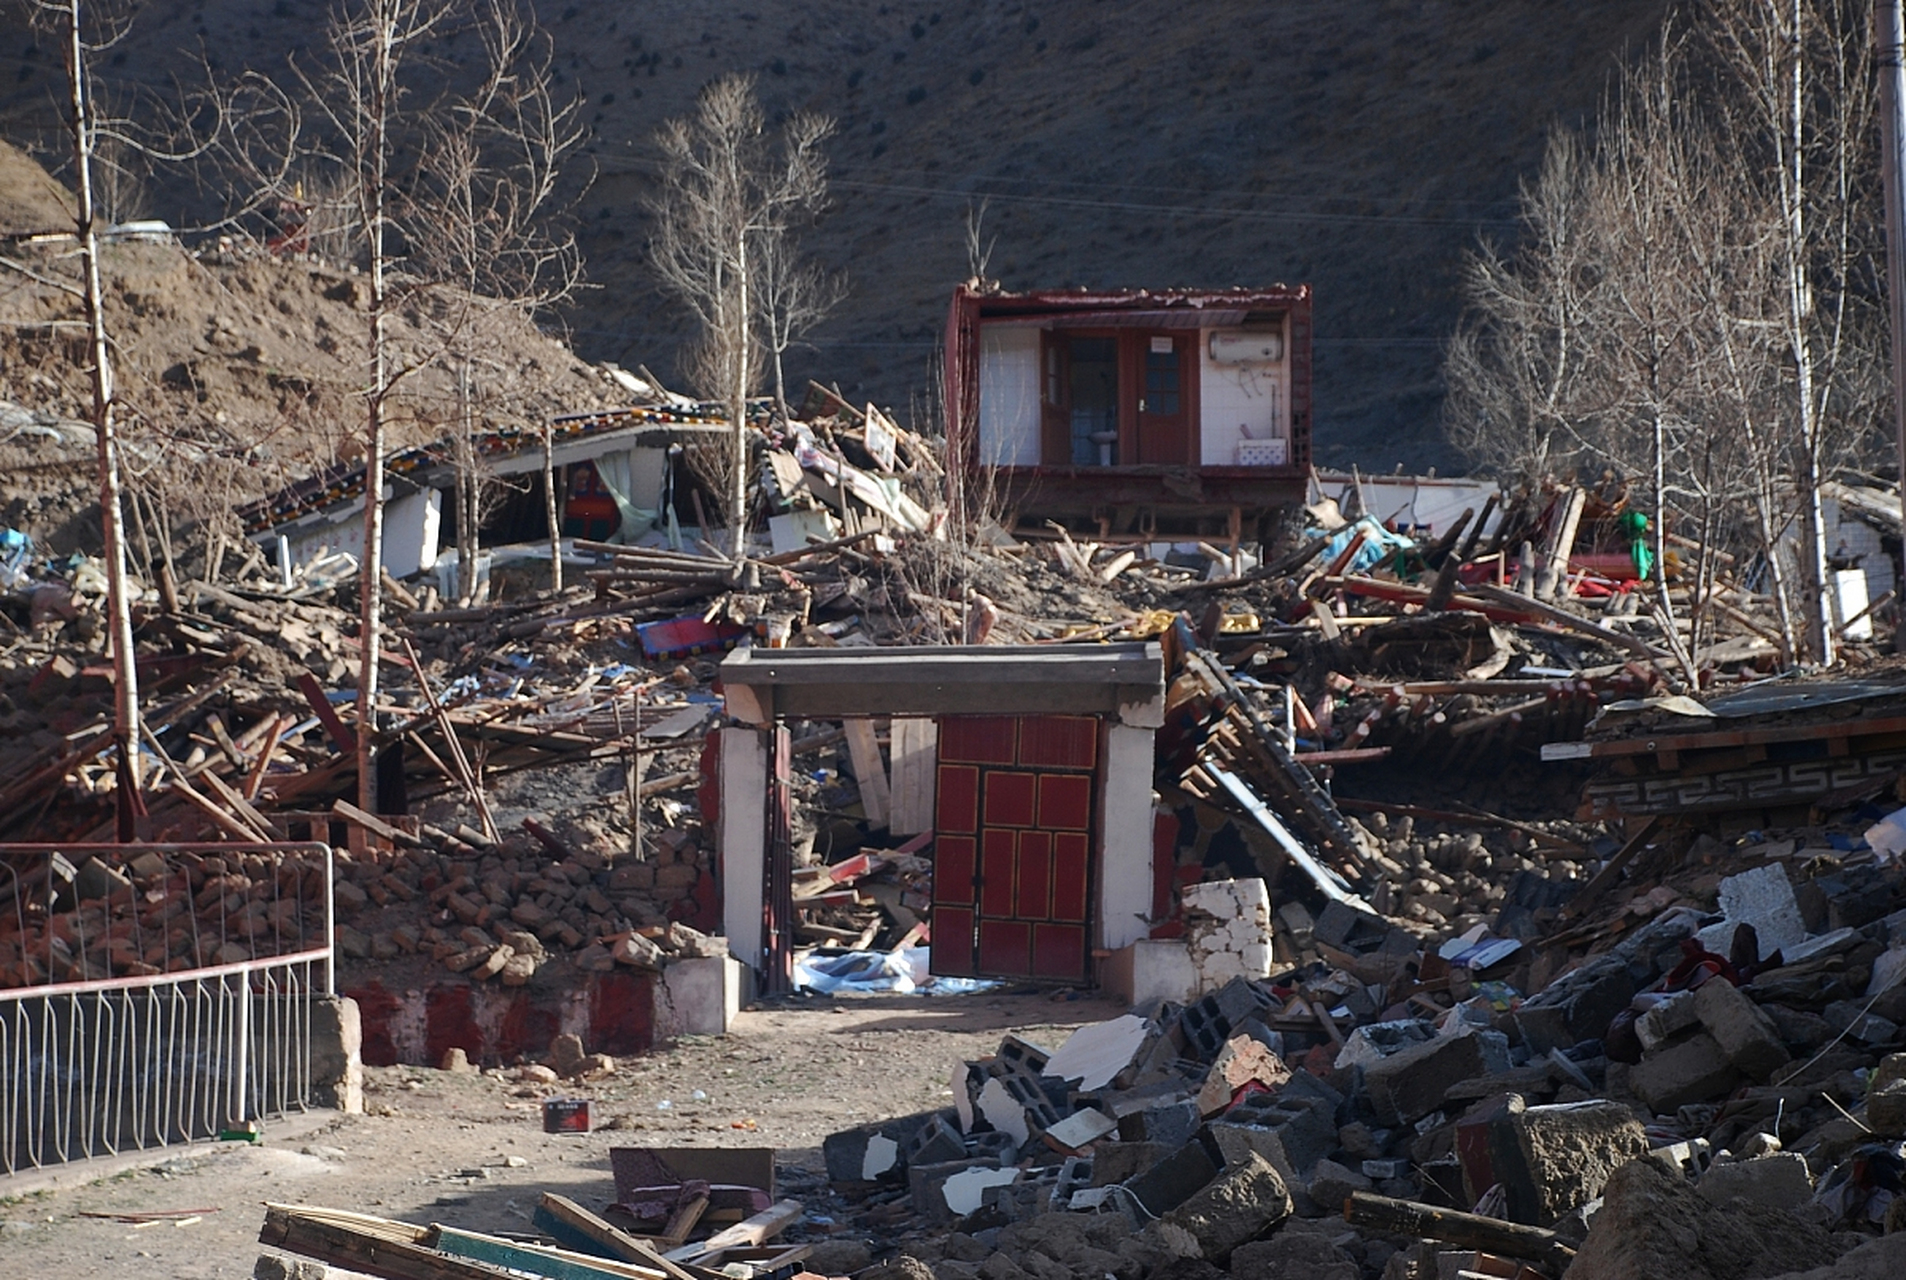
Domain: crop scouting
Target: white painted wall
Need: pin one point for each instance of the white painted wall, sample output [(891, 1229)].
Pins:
[(741, 840), (1009, 397), (412, 525), (1125, 816), (1239, 402)]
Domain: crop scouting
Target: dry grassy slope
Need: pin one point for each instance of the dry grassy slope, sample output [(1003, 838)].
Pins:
[(1360, 147), (234, 376)]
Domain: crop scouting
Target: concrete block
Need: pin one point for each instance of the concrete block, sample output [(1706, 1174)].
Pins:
[(1763, 898), (1292, 1134), (1851, 1017), (1746, 1035), (861, 1155), (929, 1187), (1577, 1007), (272, 1266), (1122, 1161), (337, 1054), (1886, 1108), (1239, 1205), (1171, 1123), (1406, 1086), (1568, 1152), (1694, 1069), (936, 1143), (1149, 971), (698, 996), (1777, 1181), (1173, 1180), (1666, 1019), (1331, 1184)]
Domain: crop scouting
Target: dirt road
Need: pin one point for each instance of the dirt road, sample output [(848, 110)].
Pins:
[(468, 1150)]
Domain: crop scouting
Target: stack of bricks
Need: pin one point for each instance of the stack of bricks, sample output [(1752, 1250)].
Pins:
[(157, 914), (505, 912)]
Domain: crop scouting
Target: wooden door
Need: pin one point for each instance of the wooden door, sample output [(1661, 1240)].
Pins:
[(1162, 365), (1013, 846)]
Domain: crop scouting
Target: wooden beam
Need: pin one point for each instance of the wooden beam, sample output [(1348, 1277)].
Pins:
[(353, 1242), (609, 1236), (767, 1224), (870, 772)]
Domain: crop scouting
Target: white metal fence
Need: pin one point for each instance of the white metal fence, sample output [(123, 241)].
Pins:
[(116, 1033)]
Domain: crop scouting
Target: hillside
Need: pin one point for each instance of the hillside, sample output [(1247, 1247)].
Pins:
[(1359, 147)]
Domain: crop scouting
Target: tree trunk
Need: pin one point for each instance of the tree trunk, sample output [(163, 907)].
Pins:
[(550, 512), (738, 406), (370, 577), (468, 495), (111, 511)]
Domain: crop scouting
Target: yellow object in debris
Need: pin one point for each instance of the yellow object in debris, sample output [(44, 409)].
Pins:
[(1155, 623), (1240, 624)]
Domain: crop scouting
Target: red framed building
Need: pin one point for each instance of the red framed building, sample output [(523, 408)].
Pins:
[(1169, 411)]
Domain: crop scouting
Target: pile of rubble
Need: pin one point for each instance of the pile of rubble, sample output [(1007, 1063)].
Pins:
[(1649, 1112)]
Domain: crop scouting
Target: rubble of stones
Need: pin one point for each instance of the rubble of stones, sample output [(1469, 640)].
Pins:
[(1718, 1093)]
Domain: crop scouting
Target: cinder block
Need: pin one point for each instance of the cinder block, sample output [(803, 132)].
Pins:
[(1292, 1132), (1408, 1085), (1171, 1123), (1777, 1181), (1578, 1007), (1745, 1034), (1666, 1020), (1694, 1069), (1122, 1161), (1173, 1180), (1763, 898)]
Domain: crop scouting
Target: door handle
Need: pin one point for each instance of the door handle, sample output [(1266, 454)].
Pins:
[(1141, 404)]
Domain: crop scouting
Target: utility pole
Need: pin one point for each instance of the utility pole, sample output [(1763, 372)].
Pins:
[(128, 802), (1889, 57)]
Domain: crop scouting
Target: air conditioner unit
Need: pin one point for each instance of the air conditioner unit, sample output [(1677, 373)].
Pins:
[(1247, 347)]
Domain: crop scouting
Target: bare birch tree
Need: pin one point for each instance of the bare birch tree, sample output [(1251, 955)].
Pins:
[(726, 188), (82, 122), (358, 123), (1722, 327)]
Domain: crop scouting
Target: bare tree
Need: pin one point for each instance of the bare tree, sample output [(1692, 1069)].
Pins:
[(1801, 117), (796, 295), (1519, 367), (489, 228), (82, 122), (725, 190), (1711, 327), (441, 187)]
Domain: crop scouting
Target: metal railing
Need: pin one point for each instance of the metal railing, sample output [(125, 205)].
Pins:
[(155, 994)]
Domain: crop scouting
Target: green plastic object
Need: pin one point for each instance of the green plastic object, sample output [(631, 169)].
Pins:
[(1634, 527)]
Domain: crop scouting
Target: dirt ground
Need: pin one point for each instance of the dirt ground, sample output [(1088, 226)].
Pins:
[(469, 1151)]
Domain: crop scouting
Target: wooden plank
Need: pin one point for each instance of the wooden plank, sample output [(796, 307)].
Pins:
[(683, 1220), (767, 1224), (225, 821), (237, 802), (377, 826), (869, 771), (609, 1236), (915, 753), (334, 1239), (341, 735), (533, 1259)]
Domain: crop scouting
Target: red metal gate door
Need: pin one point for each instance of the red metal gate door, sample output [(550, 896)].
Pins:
[(1013, 846)]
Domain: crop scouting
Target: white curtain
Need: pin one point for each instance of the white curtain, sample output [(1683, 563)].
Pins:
[(617, 471)]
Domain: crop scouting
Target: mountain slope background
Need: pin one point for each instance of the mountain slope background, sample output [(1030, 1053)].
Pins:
[(1362, 147)]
